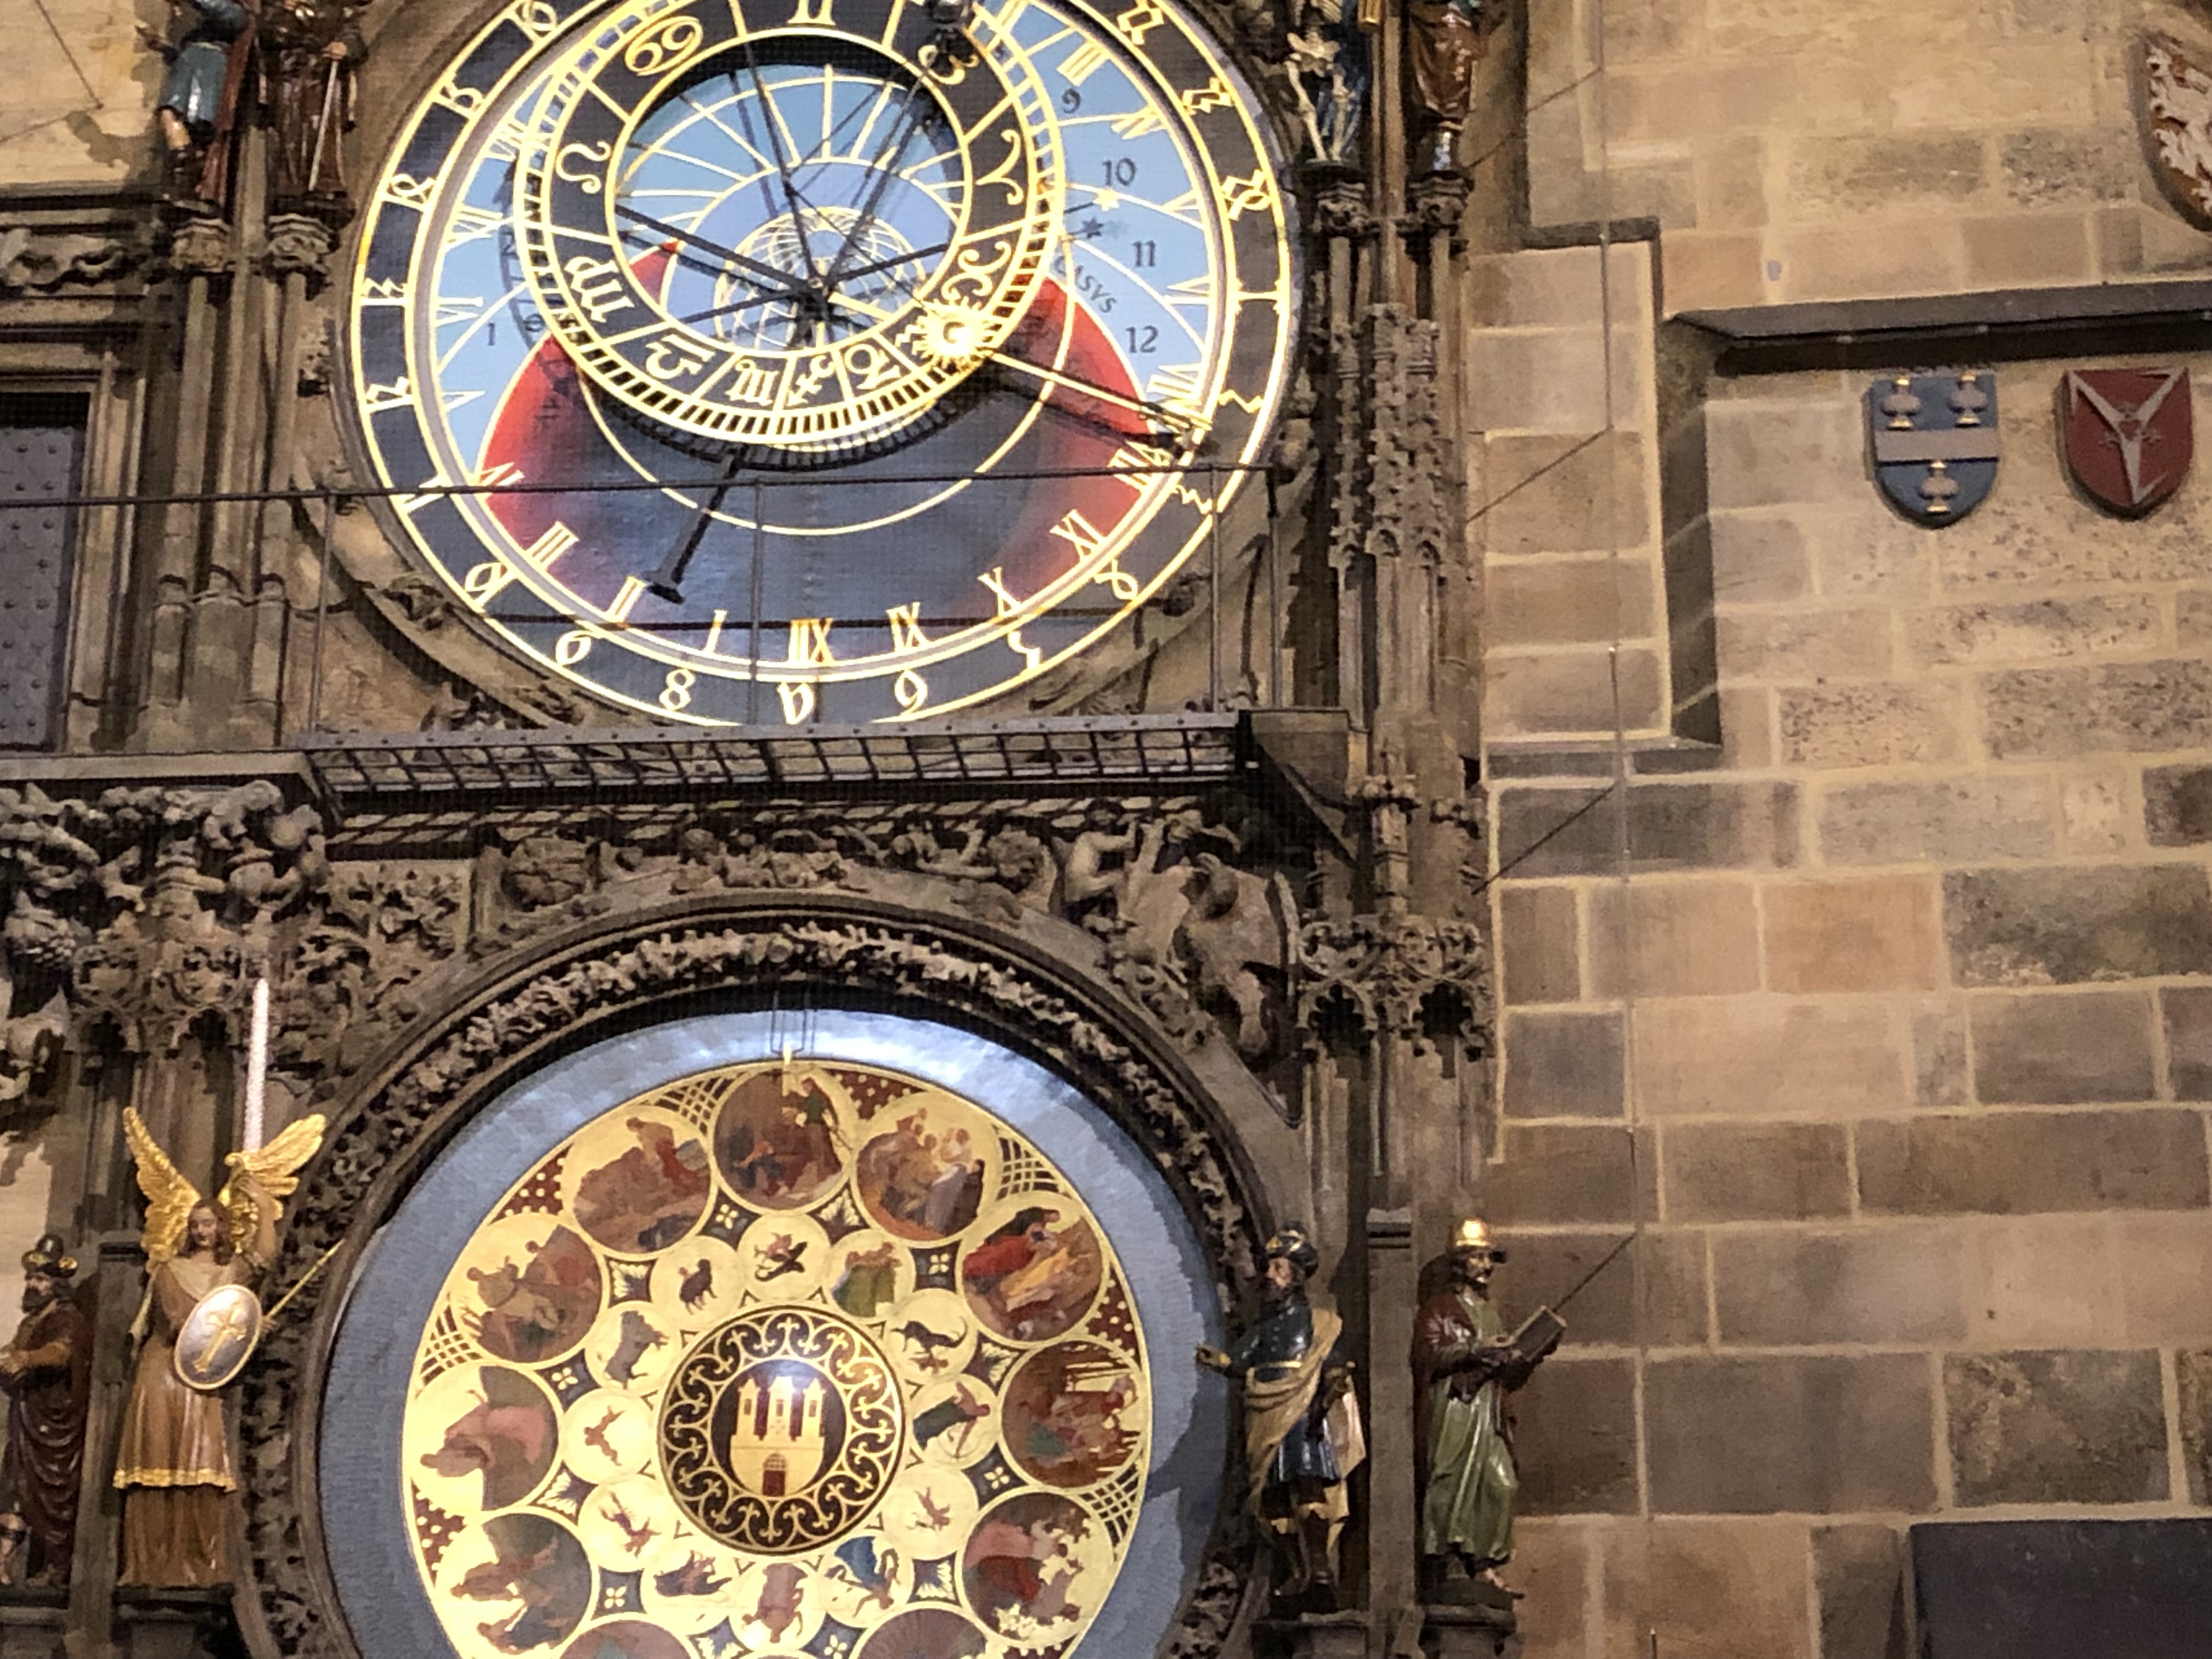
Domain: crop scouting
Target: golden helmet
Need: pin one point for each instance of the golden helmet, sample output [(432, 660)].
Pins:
[(1474, 1234)]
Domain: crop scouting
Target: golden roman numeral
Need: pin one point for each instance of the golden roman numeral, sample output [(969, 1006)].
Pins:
[(1137, 464), (906, 627), (625, 600), (810, 642), (558, 539), (995, 580), (1137, 123), (797, 697), (1082, 62), (1198, 291), (437, 486), (1087, 537), (812, 11), (1176, 386), (470, 224), (399, 394)]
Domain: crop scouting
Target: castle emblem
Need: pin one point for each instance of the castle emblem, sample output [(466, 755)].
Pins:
[(781, 1428), (776, 1446)]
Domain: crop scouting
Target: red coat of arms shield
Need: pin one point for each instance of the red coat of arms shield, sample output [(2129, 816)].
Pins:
[(2128, 434)]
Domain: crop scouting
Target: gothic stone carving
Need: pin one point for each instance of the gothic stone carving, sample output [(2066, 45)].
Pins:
[(34, 264), (1423, 980), (1203, 943), (395, 1121)]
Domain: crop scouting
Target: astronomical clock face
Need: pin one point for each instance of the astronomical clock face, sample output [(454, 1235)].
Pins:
[(778, 1359), (855, 361)]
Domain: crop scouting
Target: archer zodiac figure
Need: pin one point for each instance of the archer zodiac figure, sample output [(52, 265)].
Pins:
[(174, 1462)]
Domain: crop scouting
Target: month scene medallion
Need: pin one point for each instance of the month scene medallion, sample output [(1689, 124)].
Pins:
[(780, 1358)]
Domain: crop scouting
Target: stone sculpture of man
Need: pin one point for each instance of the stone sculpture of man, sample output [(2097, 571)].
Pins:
[(1302, 1437), (198, 113), (309, 52), (1446, 43), (45, 1373), (1464, 1365)]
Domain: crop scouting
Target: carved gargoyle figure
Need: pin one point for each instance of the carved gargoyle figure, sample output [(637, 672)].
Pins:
[(546, 870), (1230, 930)]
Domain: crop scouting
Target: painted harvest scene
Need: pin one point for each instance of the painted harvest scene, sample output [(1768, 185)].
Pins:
[(777, 1359)]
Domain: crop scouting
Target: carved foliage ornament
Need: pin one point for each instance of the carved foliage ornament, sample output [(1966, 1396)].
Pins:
[(378, 1143)]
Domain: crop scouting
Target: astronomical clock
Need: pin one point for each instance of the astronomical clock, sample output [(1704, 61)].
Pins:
[(778, 1354), (794, 361)]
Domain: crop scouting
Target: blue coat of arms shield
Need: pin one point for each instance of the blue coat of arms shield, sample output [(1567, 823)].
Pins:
[(1934, 440)]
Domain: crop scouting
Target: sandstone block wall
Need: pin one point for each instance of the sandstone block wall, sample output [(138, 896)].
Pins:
[(80, 91), (1892, 1031), (1822, 150)]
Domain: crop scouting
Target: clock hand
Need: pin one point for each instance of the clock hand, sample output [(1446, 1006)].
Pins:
[(902, 129), (1186, 425), (869, 269), (769, 115), (667, 582), (1189, 426), (729, 255)]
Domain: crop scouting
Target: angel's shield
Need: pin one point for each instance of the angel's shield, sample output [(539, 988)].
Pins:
[(217, 1337)]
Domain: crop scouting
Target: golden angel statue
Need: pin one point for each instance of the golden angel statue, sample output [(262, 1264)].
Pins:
[(174, 1462)]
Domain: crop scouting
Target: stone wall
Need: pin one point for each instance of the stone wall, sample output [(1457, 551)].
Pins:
[(80, 90), (1821, 149), (1892, 1031)]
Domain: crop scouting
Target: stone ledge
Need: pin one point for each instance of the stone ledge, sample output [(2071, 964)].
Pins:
[(1992, 324)]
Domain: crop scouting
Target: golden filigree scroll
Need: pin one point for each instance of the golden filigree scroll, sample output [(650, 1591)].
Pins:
[(776, 1359)]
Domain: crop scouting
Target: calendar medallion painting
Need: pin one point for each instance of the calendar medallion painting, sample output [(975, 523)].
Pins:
[(779, 1358)]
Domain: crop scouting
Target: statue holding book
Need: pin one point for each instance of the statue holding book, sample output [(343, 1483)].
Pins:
[(1465, 1364)]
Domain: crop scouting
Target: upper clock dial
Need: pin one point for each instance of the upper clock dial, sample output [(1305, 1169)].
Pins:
[(849, 229), (850, 366)]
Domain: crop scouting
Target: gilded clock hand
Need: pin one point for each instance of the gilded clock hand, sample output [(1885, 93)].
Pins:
[(1189, 426), (667, 582)]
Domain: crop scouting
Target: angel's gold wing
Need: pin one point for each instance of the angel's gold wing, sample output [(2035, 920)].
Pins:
[(274, 1170), (169, 1196)]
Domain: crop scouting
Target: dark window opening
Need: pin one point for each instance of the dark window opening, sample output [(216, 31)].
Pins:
[(41, 456)]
